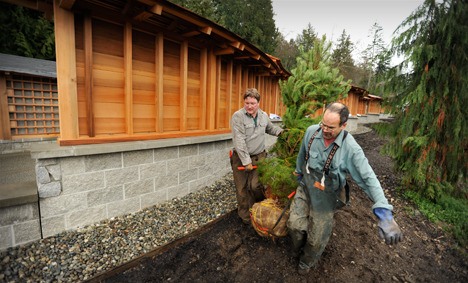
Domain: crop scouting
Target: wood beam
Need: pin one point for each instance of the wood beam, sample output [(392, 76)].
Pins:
[(183, 84), (203, 86), (128, 71), (159, 81), (225, 51), (88, 73), (66, 71), (5, 130)]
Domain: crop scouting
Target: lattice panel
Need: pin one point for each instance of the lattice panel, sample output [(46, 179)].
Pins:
[(33, 106)]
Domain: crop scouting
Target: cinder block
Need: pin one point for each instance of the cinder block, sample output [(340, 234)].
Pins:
[(63, 204), (138, 188), (80, 218), (53, 225), (188, 150), (6, 237), (26, 232), (139, 157), (121, 176), (162, 154), (18, 213), (100, 162), (166, 181), (177, 165), (153, 170), (51, 189), (206, 147), (188, 175), (103, 196), (72, 165), (83, 182)]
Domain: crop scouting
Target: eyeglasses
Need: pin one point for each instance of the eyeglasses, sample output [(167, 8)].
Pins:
[(325, 127)]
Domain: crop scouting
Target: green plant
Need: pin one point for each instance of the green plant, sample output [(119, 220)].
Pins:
[(449, 212), (313, 84)]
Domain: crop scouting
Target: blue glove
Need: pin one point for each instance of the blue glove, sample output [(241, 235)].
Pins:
[(388, 228)]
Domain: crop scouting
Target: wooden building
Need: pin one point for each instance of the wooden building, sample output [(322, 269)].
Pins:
[(141, 70)]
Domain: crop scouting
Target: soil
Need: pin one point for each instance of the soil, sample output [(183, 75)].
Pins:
[(230, 251)]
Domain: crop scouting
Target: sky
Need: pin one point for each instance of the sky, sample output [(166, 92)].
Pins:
[(330, 17)]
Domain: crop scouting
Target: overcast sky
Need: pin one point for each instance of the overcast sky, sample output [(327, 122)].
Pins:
[(330, 17)]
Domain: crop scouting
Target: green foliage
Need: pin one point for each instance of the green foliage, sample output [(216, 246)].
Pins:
[(25, 32), (451, 212), (313, 84), (429, 101), (287, 51), (342, 56), (278, 175), (205, 8)]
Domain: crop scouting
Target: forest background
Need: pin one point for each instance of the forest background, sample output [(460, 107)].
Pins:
[(426, 91)]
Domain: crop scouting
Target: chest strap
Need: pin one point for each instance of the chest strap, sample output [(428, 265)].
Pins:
[(326, 167)]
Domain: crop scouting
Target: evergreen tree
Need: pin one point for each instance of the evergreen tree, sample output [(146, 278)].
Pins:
[(372, 53), (342, 56), (307, 38), (205, 8), (25, 32), (313, 84), (252, 20), (431, 143)]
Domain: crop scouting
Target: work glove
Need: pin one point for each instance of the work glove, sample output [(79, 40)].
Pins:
[(388, 228), (248, 167)]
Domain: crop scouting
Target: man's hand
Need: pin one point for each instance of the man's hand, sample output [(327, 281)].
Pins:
[(388, 228), (248, 167), (298, 176)]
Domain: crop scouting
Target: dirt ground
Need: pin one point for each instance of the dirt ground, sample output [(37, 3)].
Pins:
[(230, 251)]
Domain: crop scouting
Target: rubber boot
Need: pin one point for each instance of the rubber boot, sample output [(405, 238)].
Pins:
[(298, 240)]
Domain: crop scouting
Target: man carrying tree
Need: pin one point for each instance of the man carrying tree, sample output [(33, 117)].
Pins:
[(249, 126), (327, 154)]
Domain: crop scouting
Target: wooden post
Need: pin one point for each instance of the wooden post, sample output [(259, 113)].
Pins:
[(128, 73), (64, 24), (88, 70), (5, 132), (203, 86), (229, 90), (159, 66), (183, 84)]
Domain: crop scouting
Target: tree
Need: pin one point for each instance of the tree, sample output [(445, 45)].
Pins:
[(342, 56), (204, 8), (252, 20), (307, 38), (287, 52), (25, 32), (372, 52), (313, 84), (431, 101)]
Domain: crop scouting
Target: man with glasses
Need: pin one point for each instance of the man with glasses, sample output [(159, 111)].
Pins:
[(327, 154)]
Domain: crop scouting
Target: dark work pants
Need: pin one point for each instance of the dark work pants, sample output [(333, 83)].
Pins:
[(248, 188)]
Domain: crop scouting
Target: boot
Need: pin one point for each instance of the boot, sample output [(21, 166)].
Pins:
[(298, 240)]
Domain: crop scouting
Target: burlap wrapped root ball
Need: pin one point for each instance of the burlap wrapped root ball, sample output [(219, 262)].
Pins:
[(264, 216)]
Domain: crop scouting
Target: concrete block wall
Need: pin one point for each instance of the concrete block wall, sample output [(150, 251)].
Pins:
[(19, 224), (77, 188)]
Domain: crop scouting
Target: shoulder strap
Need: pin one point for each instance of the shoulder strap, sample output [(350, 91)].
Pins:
[(310, 144), (326, 167)]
